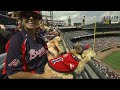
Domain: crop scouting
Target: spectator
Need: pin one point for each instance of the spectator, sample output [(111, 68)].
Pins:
[(15, 15), (29, 61), (4, 37)]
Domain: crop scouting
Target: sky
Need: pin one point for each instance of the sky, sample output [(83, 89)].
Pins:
[(77, 16)]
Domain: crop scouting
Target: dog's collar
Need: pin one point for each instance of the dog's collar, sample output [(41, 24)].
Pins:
[(76, 58)]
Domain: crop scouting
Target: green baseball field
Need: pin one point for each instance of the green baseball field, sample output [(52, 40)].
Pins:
[(113, 60)]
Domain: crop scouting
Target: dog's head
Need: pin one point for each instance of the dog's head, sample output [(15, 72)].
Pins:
[(78, 48), (88, 53)]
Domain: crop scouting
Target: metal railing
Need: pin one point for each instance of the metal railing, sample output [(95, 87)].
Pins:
[(89, 71)]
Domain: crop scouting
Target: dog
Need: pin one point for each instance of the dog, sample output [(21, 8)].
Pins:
[(84, 58)]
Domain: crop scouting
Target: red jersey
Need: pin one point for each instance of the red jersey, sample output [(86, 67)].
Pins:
[(65, 63)]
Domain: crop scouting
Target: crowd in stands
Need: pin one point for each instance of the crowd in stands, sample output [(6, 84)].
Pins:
[(108, 32), (85, 33), (77, 33), (101, 43), (110, 74)]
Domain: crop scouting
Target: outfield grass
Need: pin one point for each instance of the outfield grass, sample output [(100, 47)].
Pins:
[(113, 60)]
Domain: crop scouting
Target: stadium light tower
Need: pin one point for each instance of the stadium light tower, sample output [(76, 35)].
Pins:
[(94, 33), (83, 21), (51, 17)]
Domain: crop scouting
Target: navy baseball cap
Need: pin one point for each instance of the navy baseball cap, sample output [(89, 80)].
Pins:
[(36, 14)]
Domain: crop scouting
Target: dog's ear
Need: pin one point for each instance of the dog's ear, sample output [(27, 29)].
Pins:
[(93, 53)]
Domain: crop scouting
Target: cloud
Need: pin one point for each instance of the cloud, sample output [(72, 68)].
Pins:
[(63, 18)]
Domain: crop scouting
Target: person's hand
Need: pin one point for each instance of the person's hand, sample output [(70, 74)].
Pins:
[(2, 27), (54, 76), (62, 76)]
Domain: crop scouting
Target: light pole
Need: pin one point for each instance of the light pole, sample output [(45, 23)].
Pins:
[(51, 17), (94, 32), (83, 20)]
